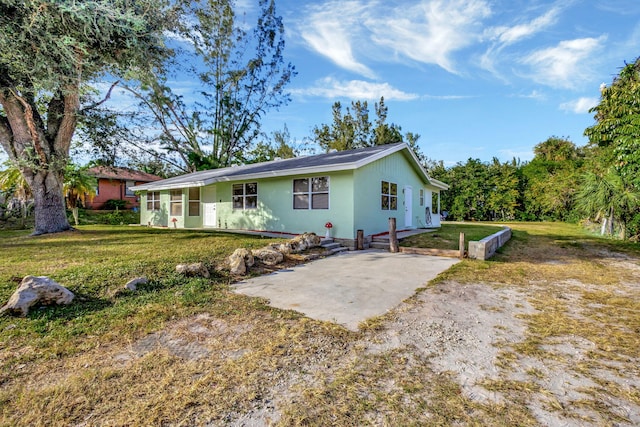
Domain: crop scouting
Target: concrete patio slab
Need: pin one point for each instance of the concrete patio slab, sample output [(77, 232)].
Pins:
[(347, 288)]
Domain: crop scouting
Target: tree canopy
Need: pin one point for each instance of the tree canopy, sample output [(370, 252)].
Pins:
[(617, 127), (353, 128), (242, 74), (50, 52)]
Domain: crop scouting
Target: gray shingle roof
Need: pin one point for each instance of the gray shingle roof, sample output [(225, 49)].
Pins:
[(339, 160)]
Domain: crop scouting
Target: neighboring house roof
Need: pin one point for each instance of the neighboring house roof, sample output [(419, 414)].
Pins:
[(122, 174), (328, 162)]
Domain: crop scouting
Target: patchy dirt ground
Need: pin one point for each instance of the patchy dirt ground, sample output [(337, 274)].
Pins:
[(471, 333), (546, 334)]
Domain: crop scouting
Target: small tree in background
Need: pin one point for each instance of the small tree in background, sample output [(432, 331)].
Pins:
[(78, 187), (13, 184)]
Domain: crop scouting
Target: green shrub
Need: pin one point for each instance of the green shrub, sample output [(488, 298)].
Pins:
[(115, 204)]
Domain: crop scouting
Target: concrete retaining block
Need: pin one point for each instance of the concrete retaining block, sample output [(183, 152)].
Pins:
[(485, 248)]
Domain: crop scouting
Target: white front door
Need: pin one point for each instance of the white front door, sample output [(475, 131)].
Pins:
[(408, 206), (210, 218)]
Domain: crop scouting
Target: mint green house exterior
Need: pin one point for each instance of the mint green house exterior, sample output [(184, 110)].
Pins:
[(353, 190)]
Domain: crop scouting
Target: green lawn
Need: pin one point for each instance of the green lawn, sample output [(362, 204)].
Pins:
[(94, 362), (448, 236), (95, 262)]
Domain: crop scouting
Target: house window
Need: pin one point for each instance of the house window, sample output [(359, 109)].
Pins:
[(389, 196), (153, 201), (435, 200), (422, 197), (127, 188), (245, 196), (311, 193), (175, 199), (194, 201)]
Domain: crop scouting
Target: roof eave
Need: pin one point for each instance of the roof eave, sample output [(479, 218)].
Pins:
[(152, 187)]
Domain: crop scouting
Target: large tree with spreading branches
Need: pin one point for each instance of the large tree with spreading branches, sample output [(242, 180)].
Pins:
[(241, 73), (50, 53)]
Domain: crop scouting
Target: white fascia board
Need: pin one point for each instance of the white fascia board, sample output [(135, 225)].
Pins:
[(381, 154), (441, 185), (438, 184), (416, 162), (173, 186)]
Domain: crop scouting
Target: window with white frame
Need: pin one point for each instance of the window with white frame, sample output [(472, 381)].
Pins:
[(175, 202), (153, 201), (422, 197), (311, 193), (245, 196), (194, 201), (389, 199)]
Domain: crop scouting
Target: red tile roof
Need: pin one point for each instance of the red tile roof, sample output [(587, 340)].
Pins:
[(122, 174)]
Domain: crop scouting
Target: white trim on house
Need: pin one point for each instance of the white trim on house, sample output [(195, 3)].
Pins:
[(280, 169)]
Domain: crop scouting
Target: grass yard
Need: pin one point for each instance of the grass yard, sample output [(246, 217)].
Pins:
[(565, 307), (448, 236)]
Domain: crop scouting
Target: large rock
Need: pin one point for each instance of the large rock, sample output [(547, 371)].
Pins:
[(283, 248), (36, 290), (239, 261), (304, 241), (197, 269), (132, 285), (268, 255)]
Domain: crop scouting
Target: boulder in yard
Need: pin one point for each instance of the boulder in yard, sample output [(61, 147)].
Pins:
[(132, 285), (197, 269), (239, 261), (283, 248), (36, 290), (304, 241), (268, 255)]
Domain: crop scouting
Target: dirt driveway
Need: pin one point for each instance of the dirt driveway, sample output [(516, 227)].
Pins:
[(347, 288)]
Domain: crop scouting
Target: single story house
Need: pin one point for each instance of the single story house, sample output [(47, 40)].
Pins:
[(352, 190), (115, 183)]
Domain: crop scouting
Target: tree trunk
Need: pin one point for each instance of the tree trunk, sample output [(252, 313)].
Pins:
[(74, 211), (50, 212), (610, 225)]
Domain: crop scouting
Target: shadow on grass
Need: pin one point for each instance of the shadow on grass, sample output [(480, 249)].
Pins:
[(82, 305), (116, 235)]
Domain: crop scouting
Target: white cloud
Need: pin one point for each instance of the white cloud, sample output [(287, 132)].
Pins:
[(503, 36), (447, 97), (564, 65), (354, 89), (330, 30), (580, 105), (534, 94), (430, 31), (516, 33)]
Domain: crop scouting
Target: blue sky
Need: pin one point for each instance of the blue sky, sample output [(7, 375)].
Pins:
[(475, 78)]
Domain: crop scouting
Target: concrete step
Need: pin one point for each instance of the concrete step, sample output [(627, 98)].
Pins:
[(379, 245), (332, 245), (337, 250)]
